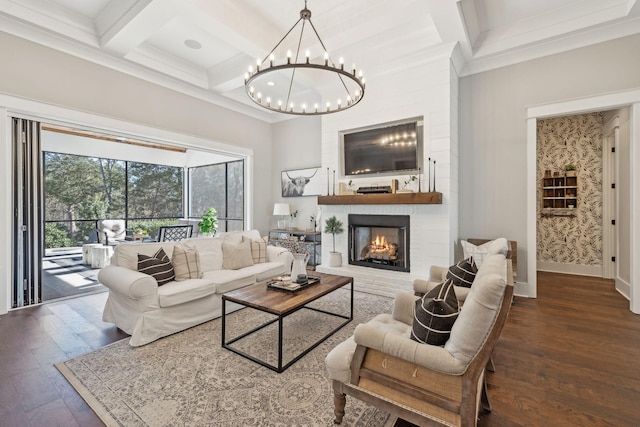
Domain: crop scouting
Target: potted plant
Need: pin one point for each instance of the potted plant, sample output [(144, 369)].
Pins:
[(209, 223), (570, 170), (333, 226), (406, 184)]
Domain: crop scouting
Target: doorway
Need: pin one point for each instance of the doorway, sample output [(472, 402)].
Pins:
[(573, 205)]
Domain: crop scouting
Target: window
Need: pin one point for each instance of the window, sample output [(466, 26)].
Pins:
[(220, 186)]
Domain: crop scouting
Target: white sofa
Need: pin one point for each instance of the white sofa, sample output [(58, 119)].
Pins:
[(146, 311)]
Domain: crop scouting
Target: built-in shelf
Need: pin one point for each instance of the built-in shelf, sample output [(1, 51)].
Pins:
[(432, 198)]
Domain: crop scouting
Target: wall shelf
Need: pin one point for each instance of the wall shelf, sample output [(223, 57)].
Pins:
[(432, 198), (559, 195)]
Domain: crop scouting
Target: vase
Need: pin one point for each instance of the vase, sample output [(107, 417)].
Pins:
[(299, 266), (335, 259)]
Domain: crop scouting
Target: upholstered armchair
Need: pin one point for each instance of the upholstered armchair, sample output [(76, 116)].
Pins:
[(111, 231), (421, 383)]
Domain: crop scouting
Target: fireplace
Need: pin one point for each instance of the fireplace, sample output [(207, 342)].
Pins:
[(379, 241)]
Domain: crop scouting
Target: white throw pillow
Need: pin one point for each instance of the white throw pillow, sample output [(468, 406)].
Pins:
[(479, 253), (237, 256)]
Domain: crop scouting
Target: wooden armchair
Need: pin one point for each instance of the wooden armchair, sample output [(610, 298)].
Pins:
[(420, 383)]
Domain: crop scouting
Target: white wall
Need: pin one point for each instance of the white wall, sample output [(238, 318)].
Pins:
[(38, 73), (296, 145), (493, 129)]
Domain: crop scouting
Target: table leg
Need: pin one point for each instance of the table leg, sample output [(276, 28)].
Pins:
[(279, 344), (224, 312)]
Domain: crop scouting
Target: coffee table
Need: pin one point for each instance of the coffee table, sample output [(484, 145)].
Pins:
[(283, 304)]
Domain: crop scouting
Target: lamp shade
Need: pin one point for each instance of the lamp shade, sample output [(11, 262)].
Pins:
[(281, 209)]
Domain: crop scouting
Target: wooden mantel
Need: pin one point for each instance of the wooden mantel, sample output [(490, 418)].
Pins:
[(432, 198)]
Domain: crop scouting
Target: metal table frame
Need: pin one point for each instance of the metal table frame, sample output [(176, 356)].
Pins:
[(280, 368)]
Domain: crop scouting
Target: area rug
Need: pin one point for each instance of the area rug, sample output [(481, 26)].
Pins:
[(188, 379)]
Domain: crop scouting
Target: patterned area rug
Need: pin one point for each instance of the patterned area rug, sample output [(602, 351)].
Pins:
[(188, 379)]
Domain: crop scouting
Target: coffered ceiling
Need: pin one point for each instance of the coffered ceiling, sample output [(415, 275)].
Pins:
[(203, 47)]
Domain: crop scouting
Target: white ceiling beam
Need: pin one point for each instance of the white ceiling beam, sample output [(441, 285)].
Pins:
[(141, 20)]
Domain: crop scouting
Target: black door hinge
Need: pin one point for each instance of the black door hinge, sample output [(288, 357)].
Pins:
[(613, 185), (613, 149), (613, 222), (613, 259)]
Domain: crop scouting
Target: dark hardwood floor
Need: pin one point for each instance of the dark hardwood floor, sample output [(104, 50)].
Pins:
[(568, 358)]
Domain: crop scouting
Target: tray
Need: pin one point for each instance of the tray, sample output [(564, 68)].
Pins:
[(293, 287)]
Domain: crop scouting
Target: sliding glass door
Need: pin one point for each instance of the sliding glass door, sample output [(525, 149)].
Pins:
[(27, 213)]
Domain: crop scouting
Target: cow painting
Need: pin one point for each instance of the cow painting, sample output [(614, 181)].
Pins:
[(300, 183)]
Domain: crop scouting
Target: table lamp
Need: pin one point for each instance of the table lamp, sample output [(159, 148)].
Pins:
[(281, 210)]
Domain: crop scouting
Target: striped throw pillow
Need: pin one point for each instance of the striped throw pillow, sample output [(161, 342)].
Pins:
[(186, 263), (159, 266), (463, 273), (258, 249), (435, 314)]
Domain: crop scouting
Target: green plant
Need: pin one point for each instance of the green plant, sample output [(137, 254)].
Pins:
[(570, 167), (209, 221), (56, 236), (333, 226)]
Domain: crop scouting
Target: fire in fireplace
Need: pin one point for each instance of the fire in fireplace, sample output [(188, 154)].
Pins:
[(379, 241)]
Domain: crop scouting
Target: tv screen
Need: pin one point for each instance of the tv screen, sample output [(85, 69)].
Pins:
[(387, 149)]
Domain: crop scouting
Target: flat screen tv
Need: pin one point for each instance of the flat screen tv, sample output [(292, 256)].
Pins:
[(384, 149)]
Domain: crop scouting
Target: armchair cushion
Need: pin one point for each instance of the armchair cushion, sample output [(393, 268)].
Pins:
[(463, 272), (435, 315)]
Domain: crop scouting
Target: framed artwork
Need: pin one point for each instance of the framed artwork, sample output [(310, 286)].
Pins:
[(301, 182)]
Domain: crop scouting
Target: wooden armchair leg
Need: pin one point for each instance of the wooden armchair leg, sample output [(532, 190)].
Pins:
[(491, 367), (484, 396), (339, 402)]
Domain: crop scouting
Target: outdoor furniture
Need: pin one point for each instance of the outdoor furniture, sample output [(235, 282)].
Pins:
[(111, 231), (87, 253), (174, 233), (100, 256)]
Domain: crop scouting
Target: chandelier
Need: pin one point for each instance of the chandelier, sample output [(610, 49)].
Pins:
[(303, 86)]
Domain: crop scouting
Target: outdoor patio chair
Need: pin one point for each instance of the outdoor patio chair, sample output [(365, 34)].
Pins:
[(174, 233), (110, 231)]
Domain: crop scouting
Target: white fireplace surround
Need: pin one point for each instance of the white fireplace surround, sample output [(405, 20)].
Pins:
[(434, 228)]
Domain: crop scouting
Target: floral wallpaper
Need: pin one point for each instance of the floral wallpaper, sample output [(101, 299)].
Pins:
[(572, 140)]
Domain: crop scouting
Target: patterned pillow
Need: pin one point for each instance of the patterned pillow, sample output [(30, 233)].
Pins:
[(186, 263), (478, 253), (435, 315), (463, 273), (258, 249), (159, 266)]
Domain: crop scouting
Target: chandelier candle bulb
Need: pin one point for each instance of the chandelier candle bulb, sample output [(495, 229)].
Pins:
[(271, 59), (288, 57), (326, 58), (268, 102), (341, 61), (307, 54), (315, 107)]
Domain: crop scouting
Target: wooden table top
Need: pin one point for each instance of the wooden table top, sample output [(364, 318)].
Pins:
[(278, 302)]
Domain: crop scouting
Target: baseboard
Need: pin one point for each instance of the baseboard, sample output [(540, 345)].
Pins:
[(623, 288), (580, 270)]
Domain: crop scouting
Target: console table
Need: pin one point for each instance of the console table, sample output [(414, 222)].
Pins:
[(299, 241)]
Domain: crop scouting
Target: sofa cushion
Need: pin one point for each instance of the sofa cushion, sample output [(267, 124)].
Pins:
[(209, 252), (236, 256), (228, 280), (435, 315), (186, 263), (174, 293), (258, 249), (266, 270), (463, 273), (159, 266)]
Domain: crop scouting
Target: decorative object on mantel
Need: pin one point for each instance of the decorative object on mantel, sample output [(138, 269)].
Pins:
[(209, 223), (284, 94), (407, 181), (282, 211), (333, 226)]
